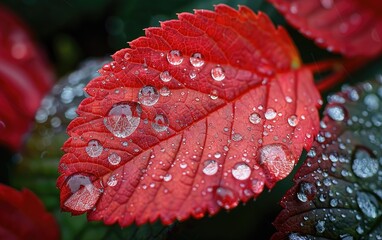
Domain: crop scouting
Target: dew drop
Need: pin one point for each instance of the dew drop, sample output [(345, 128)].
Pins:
[(94, 148), (372, 102), (164, 91), (327, 4), (270, 114), (226, 198), (210, 167), (277, 159), (127, 56), (160, 123), (293, 121), (165, 76), (336, 113), (255, 118), (112, 181), (217, 155), (307, 191), (368, 204), (192, 74), (167, 177), (364, 166), (174, 57), (114, 159), (196, 60), (320, 226), (123, 119), (217, 73), (183, 165), (82, 199), (148, 96), (237, 137), (241, 171)]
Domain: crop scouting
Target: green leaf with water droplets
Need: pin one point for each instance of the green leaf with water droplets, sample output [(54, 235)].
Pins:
[(338, 190)]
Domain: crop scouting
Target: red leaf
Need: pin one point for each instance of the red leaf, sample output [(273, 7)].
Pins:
[(350, 27), (23, 216), (24, 79), (192, 117)]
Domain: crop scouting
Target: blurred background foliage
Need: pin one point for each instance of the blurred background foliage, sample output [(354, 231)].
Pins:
[(72, 31)]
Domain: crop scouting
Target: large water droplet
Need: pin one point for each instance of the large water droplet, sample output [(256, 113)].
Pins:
[(226, 198), (293, 121), (94, 148), (270, 114), (196, 60), (255, 118), (210, 167), (307, 191), (217, 73), (167, 177), (277, 159), (114, 159), (84, 193), (336, 113), (123, 119), (174, 57), (364, 166), (241, 171), (160, 123), (372, 102), (148, 95), (165, 76), (368, 204)]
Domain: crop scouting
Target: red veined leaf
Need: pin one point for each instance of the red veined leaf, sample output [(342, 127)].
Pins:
[(337, 191), (25, 77), (350, 27), (195, 116), (23, 216)]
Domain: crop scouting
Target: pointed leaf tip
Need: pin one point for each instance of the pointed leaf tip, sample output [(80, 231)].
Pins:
[(192, 118)]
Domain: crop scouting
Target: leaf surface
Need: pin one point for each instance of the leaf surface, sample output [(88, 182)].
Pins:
[(344, 26), (24, 79), (197, 115), (23, 216), (337, 191)]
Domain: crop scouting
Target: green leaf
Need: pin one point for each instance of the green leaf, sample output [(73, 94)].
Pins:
[(338, 190)]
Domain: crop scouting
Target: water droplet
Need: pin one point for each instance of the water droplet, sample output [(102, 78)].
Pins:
[(226, 198), (372, 102), (167, 177), (160, 123), (148, 95), (183, 165), (364, 166), (82, 199), (307, 191), (320, 226), (192, 74), (277, 159), (237, 137), (112, 181), (165, 76), (127, 56), (368, 204), (336, 113), (123, 119), (270, 114), (114, 159), (241, 171), (217, 73), (94, 148), (217, 155), (196, 60), (174, 57), (293, 120), (296, 236), (164, 91), (327, 4), (254, 118), (210, 167)]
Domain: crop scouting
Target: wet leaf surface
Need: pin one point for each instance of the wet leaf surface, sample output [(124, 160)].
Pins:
[(198, 115), (23, 216), (337, 191), (344, 26), (25, 77)]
